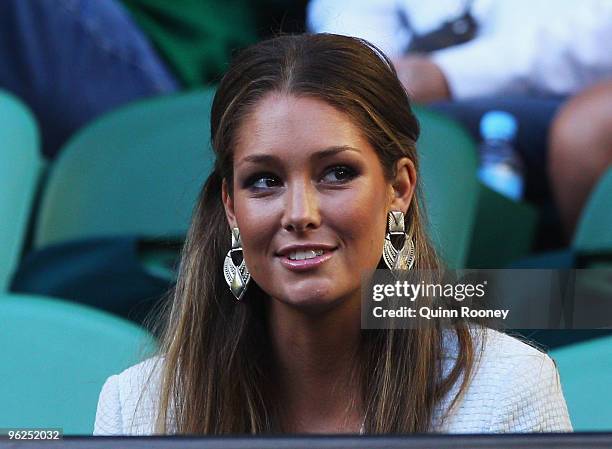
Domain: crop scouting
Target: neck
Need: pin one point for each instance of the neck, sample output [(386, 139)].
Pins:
[(315, 355)]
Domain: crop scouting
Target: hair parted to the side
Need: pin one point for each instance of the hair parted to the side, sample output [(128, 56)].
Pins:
[(217, 374)]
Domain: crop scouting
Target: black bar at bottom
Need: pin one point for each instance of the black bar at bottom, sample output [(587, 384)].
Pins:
[(506, 441)]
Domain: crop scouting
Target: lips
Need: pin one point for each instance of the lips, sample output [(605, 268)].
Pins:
[(304, 250), (305, 257)]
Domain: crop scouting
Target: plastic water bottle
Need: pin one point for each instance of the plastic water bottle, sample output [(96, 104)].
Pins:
[(501, 168)]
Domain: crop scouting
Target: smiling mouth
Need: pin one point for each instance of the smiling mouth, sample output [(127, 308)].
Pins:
[(307, 254), (304, 260)]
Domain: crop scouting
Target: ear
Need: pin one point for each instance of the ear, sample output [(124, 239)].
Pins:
[(228, 204), (403, 185)]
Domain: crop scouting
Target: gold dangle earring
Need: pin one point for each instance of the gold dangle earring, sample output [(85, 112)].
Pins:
[(398, 250), (235, 270)]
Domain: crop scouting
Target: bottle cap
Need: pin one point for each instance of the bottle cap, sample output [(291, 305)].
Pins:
[(498, 125)]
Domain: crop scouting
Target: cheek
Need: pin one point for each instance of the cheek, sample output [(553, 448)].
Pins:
[(371, 238), (362, 222), (257, 223)]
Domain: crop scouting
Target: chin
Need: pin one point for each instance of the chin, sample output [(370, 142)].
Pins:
[(312, 297)]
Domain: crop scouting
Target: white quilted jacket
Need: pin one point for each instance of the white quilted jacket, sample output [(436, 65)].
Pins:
[(514, 388)]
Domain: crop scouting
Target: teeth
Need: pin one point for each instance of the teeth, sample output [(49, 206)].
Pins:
[(309, 254)]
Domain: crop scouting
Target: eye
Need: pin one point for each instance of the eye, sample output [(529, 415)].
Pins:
[(262, 181), (338, 174)]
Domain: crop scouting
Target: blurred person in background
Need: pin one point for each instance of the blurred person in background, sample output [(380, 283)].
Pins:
[(72, 60), (547, 62)]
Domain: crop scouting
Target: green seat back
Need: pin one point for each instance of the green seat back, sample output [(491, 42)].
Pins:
[(503, 232), (20, 167), (450, 187), (586, 372), (594, 231), (56, 356), (137, 170)]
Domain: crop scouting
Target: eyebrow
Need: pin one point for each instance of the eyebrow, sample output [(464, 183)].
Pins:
[(322, 154)]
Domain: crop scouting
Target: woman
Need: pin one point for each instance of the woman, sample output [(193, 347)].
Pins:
[(316, 165)]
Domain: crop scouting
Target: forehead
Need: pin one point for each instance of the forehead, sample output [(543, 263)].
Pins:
[(294, 126)]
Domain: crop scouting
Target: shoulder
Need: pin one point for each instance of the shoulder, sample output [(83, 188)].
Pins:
[(499, 347), (513, 387), (128, 401)]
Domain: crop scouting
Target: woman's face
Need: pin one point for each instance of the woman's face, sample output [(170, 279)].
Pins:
[(311, 201)]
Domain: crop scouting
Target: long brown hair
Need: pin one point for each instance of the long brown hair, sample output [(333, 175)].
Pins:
[(217, 373)]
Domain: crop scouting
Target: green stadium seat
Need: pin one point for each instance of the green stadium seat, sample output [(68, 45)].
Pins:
[(20, 168), (503, 230), (594, 231), (55, 358), (449, 185), (591, 248), (137, 170), (466, 218), (586, 369), (591, 245)]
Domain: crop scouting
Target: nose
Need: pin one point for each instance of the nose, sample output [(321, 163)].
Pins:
[(301, 207)]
